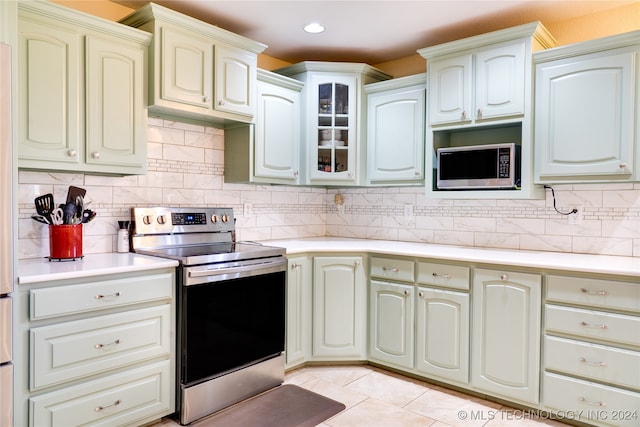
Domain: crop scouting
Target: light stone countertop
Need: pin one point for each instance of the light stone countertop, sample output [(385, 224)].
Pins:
[(583, 263), (34, 270)]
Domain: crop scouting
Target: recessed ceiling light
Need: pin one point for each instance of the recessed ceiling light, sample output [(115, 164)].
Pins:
[(314, 28)]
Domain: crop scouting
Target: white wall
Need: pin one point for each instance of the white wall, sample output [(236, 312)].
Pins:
[(185, 168)]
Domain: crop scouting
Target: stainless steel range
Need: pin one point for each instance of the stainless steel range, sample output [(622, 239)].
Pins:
[(230, 306)]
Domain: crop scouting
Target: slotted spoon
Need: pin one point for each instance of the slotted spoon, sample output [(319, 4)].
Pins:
[(45, 205)]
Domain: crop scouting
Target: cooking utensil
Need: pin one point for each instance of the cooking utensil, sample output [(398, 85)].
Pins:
[(74, 192), (57, 216), (40, 218), (45, 205), (69, 212), (77, 218), (88, 215)]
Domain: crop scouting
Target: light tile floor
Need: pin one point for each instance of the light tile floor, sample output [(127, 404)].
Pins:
[(378, 398)]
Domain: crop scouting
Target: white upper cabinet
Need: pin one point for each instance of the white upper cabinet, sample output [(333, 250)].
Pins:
[(586, 122), (487, 84), (198, 71), (268, 151), (333, 117), (480, 91), (395, 131), (81, 92)]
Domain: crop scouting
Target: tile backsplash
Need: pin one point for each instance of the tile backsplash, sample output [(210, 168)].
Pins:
[(185, 168)]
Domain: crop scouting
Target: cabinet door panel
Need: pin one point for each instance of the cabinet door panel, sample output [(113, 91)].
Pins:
[(395, 140), (187, 68), (391, 323), (584, 116), (506, 333), (442, 334), (339, 307), (116, 125), (500, 81), (236, 72), (298, 342), (50, 107), (277, 150), (450, 90)]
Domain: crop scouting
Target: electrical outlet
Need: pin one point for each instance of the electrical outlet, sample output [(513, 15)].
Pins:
[(408, 211), (576, 218), (248, 209)]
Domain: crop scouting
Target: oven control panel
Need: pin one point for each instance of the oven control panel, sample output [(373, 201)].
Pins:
[(163, 220)]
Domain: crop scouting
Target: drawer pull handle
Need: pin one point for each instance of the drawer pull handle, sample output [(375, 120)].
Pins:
[(100, 408), (591, 325), (587, 291), (393, 270), (407, 293), (99, 346), (591, 402), (444, 276), (421, 294), (294, 266), (591, 362), (100, 296)]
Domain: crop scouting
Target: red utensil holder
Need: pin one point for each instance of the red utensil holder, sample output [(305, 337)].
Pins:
[(65, 241)]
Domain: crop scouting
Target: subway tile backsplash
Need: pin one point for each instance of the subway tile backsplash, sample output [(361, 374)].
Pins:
[(186, 166)]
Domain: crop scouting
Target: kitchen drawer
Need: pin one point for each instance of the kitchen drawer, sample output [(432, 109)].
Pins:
[(593, 361), (443, 275), (598, 293), (596, 325), (590, 402), (394, 269), (68, 351), (88, 297), (126, 398)]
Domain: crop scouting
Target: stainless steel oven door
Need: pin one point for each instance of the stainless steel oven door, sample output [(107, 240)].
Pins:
[(233, 270)]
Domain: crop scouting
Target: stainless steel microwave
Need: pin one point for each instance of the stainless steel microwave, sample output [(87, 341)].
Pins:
[(479, 167)]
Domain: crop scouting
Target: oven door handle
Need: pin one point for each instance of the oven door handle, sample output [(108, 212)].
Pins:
[(255, 269)]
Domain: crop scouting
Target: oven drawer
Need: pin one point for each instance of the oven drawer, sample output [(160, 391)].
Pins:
[(394, 269), (589, 402), (596, 325), (122, 399), (68, 351), (597, 362), (443, 275), (597, 293), (87, 297)]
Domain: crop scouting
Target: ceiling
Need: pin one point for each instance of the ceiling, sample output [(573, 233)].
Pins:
[(372, 31)]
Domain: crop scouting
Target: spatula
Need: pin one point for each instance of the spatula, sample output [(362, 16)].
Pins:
[(45, 205), (74, 192)]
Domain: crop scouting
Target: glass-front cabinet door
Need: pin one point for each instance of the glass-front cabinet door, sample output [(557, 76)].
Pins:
[(332, 138)]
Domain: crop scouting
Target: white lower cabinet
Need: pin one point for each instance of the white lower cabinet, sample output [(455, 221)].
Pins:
[(298, 317), (592, 349), (506, 334), (442, 334), (100, 350), (391, 323), (339, 308)]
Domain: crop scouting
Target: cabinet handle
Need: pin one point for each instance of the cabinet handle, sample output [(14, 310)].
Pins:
[(504, 277), (393, 270), (95, 155), (99, 346), (357, 263), (463, 116), (591, 325), (479, 113), (591, 362), (421, 294), (623, 165), (601, 293), (296, 173), (100, 296), (407, 293), (444, 276), (416, 173), (205, 99), (591, 402), (100, 408), (220, 102), (71, 153), (294, 266)]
